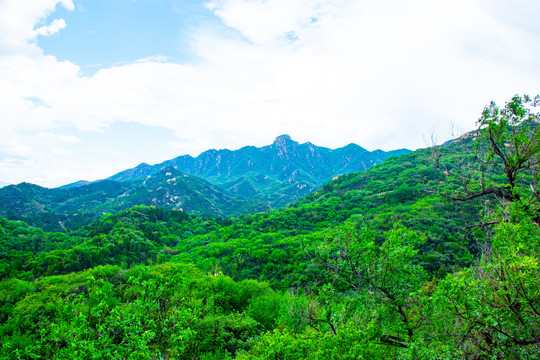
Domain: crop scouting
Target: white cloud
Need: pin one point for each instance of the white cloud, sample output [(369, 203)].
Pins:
[(18, 20), (327, 71), (59, 151), (53, 28), (266, 21), (67, 139)]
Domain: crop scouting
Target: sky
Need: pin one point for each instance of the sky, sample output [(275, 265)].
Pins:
[(89, 88)]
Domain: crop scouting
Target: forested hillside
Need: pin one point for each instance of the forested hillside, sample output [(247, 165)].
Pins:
[(71, 207), (429, 255)]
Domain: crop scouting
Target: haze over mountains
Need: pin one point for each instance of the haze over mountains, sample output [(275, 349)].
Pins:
[(220, 183)]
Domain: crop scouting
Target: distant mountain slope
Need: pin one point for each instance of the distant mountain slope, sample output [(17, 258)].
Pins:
[(277, 174), (75, 184), (220, 183), (54, 209)]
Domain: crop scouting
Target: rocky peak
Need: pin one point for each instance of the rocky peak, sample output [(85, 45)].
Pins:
[(282, 141)]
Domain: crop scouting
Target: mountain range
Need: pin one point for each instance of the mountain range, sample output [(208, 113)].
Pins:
[(220, 183), (276, 174)]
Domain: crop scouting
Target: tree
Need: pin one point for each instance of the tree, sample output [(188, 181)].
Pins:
[(504, 159), (380, 280), (492, 310)]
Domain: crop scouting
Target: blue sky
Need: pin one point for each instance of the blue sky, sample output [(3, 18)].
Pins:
[(91, 87), (105, 33)]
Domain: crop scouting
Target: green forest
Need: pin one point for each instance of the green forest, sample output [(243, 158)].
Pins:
[(434, 254)]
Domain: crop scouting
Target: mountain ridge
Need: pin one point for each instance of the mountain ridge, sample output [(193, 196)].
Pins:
[(284, 163), (219, 183), (280, 148), (59, 208)]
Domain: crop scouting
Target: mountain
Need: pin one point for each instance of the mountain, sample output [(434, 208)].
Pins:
[(220, 183), (70, 207), (75, 184), (277, 174)]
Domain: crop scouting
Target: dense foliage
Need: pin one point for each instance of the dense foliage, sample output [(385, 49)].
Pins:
[(163, 311), (378, 264)]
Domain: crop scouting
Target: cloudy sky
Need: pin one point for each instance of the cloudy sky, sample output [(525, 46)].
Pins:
[(91, 87)]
